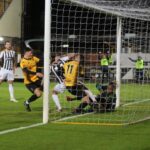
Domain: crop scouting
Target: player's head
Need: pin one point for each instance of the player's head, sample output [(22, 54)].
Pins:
[(28, 52), (111, 87), (82, 59), (139, 57), (57, 58), (103, 55), (76, 57), (8, 45), (108, 52)]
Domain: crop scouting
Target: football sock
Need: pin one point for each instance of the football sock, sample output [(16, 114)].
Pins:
[(90, 94), (11, 91), (31, 99), (75, 98), (56, 101), (82, 106)]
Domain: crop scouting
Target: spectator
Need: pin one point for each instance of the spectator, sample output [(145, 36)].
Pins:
[(139, 69), (104, 63)]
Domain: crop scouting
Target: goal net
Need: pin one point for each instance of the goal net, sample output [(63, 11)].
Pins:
[(116, 31)]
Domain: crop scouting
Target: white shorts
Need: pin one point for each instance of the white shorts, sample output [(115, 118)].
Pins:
[(6, 74), (60, 87)]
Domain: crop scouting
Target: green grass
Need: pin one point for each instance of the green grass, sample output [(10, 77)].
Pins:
[(14, 114), (76, 137)]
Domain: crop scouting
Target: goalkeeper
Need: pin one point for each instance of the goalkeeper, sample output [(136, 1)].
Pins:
[(105, 102)]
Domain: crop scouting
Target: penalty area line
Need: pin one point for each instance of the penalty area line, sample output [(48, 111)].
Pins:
[(20, 128)]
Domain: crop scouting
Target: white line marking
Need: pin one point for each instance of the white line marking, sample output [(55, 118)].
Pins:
[(138, 121), (20, 128), (71, 117), (135, 102)]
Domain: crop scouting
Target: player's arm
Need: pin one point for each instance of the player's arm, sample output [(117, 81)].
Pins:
[(68, 56), (25, 69), (37, 60), (72, 55), (28, 72), (132, 59), (109, 44), (0, 62), (14, 61), (1, 59), (146, 62), (38, 64)]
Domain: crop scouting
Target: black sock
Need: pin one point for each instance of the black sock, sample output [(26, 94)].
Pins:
[(82, 106), (73, 98), (32, 98)]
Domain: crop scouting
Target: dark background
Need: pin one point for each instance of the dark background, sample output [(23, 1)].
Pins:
[(91, 27), (91, 31), (33, 19)]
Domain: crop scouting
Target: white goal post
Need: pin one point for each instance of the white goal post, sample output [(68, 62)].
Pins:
[(47, 53)]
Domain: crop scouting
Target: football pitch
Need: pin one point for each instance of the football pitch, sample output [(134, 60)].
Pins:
[(62, 136)]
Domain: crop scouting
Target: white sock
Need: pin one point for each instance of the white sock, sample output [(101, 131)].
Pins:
[(56, 101), (11, 91), (90, 95)]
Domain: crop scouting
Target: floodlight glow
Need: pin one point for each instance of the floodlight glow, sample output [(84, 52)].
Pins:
[(72, 36), (65, 45), (1, 39)]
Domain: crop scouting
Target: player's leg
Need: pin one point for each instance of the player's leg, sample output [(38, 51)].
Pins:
[(85, 102), (37, 92), (73, 91), (10, 80), (3, 75), (85, 91), (80, 91), (137, 76), (77, 91), (11, 91), (59, 88), (141, 75)]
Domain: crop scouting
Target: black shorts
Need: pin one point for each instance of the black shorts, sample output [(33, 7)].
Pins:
[(78, 90), (34, 85)]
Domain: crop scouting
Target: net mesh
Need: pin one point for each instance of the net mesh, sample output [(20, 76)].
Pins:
[(89, 27)]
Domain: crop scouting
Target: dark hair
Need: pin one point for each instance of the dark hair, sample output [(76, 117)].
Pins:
[(7, 42), (27, 49), (82, 59), (113, 84)]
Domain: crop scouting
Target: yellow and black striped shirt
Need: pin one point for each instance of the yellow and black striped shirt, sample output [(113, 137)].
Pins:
[(71, 72), (30, 65)]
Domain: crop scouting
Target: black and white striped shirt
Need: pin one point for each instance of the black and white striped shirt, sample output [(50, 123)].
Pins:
[(57, 68), (7, 57)]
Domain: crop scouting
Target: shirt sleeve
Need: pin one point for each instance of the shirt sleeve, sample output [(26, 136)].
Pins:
[(36, 59), (22, 64), (1, 54), (65, 58)]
